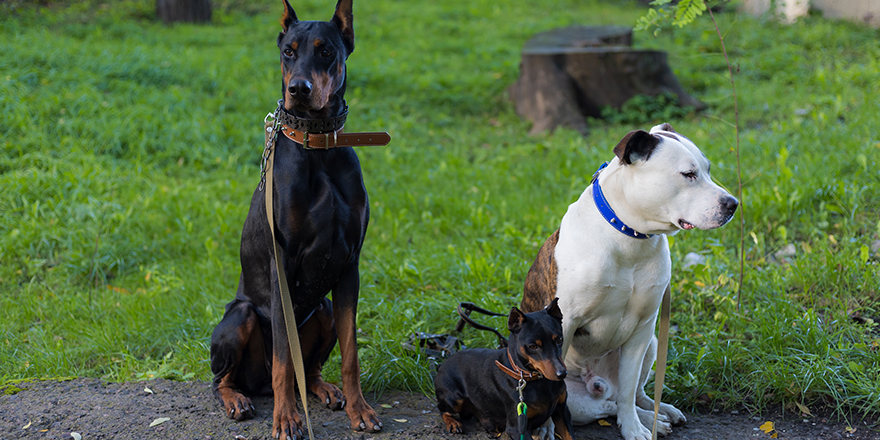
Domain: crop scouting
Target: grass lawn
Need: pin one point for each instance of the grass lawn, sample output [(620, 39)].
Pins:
[(130, 150)]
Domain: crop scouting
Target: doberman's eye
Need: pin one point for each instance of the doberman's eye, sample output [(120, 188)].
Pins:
[(326, 52), (288, 52), (559, 341), (532, 347), (690, 175)]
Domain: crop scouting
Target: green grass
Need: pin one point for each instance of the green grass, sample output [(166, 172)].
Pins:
[(130, 151)]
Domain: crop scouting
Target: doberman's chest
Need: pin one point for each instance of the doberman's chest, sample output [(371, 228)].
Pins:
[(323, 209)]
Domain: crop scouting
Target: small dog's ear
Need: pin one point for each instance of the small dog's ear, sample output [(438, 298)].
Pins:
[(287, 19), (553, 309), (515, 320), (636, 145), (344, 19)]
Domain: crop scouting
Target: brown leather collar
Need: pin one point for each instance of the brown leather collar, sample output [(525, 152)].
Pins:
[(335, 138), (517, 372)]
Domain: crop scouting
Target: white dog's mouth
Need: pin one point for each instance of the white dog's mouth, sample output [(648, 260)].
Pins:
[(685, 225)]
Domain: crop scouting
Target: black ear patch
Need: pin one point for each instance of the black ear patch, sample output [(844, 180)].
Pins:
[(515, 320), (553, 309), (636, 145)]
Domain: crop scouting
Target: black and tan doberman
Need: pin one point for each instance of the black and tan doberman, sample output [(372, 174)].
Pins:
[(320, 218), (485, 384)]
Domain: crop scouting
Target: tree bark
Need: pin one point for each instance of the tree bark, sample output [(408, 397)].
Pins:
[(193, 11), (570, 73)]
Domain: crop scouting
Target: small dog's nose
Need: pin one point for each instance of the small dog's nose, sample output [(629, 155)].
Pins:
[(597, 386), (299, 88)]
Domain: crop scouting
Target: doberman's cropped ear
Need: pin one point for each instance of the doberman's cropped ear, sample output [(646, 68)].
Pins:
[(287, 18), (636, 145), (344, 20), (515, 320), (553, 309)]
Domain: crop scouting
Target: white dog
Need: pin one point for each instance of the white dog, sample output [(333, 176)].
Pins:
[(609, 266)]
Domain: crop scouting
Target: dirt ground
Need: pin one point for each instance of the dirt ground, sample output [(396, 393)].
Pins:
[(94, 409)]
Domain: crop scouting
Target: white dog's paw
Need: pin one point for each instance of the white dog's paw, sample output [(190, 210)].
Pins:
[(675, 416), (545, 431), (635, 431)]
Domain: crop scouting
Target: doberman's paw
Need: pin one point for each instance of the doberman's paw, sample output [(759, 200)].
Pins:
[(237, 406), (287, 425), (362, 417), (453, 426), (328, 393)]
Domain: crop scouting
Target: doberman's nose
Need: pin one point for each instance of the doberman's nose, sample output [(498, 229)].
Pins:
[(299, 88), (561, 374)]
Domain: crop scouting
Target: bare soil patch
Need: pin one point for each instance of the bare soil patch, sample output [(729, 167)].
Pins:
[(100, 410)]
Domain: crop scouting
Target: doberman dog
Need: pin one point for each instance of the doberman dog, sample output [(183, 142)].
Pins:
[(320, 216), (484, 383)]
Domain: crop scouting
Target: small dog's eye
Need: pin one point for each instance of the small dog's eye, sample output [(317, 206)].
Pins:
[(532, 347), (690, 175), (288, 52), (326, 52)]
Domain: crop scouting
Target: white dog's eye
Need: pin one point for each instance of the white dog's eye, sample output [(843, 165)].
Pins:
[(691, 175)]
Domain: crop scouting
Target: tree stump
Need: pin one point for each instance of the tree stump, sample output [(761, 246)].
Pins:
[(193, 11), (570, 73)]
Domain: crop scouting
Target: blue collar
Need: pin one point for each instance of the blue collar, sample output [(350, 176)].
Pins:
[(608, 213)]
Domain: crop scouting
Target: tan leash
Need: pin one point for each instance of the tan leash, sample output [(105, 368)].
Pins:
[(662, 347), (286, 305)]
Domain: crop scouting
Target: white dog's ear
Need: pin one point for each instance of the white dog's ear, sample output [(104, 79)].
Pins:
[(515, 320), (636, 145), (553, 309), (665, 127)]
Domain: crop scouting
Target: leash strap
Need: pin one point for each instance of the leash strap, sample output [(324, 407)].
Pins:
[(286, 304), (464, 311), (662, 347)]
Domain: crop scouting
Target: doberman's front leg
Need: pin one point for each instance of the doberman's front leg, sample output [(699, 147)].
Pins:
[(562, 419), (345, 297), (318, 337), (286, 421)]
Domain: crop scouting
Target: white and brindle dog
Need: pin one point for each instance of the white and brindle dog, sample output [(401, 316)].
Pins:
[(609, 266)]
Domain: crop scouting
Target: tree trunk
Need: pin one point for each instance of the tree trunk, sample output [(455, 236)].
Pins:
[(570, 73), (193, 11)]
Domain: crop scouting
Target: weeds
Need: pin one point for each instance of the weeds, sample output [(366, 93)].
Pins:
[(148, 137)]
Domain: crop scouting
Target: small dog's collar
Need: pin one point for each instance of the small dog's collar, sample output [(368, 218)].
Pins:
[(517, 372), (608, 213)]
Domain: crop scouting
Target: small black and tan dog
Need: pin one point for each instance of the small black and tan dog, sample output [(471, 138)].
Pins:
[(483, 383), (320, 215)]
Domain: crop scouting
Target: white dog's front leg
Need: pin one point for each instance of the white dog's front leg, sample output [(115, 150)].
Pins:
[(632, 354)]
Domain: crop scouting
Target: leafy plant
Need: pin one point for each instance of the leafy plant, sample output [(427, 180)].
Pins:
[(662, 107)]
